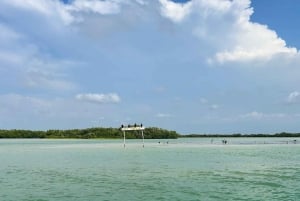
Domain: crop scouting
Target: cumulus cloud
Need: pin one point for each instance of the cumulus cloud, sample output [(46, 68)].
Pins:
[(224, 24), (94, 10), (101, 7), (175, 11), (250, 41), (66, 13), (22, 57), (255, 42), (35, 71), (293, 97), (213, 20), (51, 9), (99, 98), (19, 111), (227, 26), (162, 40)]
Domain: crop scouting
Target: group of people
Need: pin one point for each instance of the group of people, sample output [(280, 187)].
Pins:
[(135, 125)]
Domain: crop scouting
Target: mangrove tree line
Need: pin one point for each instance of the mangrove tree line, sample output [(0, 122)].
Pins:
[(110, 133)]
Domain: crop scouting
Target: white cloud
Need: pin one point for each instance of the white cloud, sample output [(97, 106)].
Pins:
[(255, 42), (226, 26), (8, 39), (218, 5), (160, 89), (8, 57), (214, 107), (142, 2), (35, 71), (208, 104), (99, 98), (51, 9), (13, 104), (32, 60), (46, 74), (41, 6), (56, 11), (175, 11), (203, 100), (23, 59), (249, 40), (293, 97), (28, 112), (254, 114), (100, 7), (260, 115), (163, 115), (33, 80), (7, 34)]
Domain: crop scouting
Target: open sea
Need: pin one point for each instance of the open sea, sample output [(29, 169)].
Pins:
[(186, 169)]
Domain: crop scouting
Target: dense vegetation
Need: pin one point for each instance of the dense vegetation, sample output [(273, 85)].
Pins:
[(149, 133), (110, 133)]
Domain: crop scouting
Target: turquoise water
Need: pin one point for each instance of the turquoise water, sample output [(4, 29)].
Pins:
[(183, 169)]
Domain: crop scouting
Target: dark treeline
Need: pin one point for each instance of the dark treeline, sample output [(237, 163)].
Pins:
[(110, 133), (283, 134)]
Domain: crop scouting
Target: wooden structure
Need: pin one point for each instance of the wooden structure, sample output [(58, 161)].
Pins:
[(134, 127)]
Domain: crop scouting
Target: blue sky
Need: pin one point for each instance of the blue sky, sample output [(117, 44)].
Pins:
[(202, 66)]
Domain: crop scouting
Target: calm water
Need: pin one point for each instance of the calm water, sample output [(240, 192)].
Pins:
[(184, 169)]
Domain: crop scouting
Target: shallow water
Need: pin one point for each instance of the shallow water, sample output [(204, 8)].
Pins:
[(183, 169)]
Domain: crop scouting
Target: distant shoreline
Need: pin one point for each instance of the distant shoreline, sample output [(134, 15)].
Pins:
[(90, 133), (283, 134), (116, 133)]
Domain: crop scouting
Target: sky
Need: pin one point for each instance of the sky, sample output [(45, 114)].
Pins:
[(198, 66)]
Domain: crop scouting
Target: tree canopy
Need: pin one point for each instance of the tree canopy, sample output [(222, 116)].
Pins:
[(110, 133)]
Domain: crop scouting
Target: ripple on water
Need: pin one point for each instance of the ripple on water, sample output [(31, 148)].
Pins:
[(63, 172)]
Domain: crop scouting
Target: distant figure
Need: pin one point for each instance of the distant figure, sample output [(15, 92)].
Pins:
[(158, 142), (295, 141), (167, 142), (122, 126), (141, 125), (135, 125)]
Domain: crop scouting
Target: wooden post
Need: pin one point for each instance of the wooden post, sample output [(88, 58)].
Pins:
[(143, 138), (132, 128), (124, 137)]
